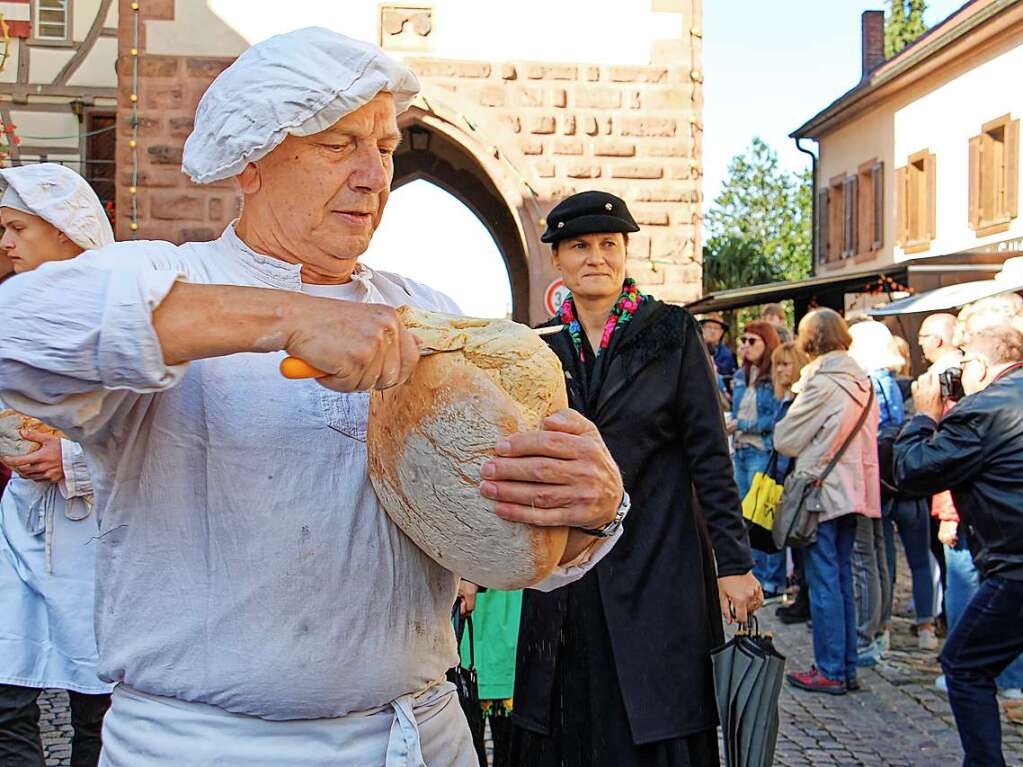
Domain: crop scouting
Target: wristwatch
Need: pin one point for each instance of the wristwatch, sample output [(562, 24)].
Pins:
[(611, 527)]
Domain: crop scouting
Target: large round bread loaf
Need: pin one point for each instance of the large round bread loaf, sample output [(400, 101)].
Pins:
[(11, 442), (429, 438)]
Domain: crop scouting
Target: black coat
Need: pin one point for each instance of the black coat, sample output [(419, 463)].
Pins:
[(657, 408), (977, 453)]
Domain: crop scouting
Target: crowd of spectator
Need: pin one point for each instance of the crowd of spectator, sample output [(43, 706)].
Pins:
[(936, 467)]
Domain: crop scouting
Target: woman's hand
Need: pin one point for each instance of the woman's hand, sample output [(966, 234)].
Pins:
[(43, 465), (741, 596), (467, 591)]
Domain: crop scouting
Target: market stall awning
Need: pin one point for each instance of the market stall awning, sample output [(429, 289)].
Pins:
[(772, 292), (1009, 279)]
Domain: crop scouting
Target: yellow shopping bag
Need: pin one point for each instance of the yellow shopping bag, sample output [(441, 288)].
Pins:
[(761, 501)]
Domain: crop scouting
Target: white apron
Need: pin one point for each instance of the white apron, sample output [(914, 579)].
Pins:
[(427, 729)]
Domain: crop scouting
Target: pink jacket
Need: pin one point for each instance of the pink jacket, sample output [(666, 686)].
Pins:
[(834, 392)]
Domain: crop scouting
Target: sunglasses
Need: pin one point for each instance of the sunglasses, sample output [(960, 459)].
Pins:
[(750, 340)]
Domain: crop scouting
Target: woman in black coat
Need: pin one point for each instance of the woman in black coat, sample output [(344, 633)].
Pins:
[(614, 669)]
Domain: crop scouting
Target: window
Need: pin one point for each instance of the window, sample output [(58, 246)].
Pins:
[(994, 176), (52, 19), (850, 204), (915, 198), (870, 210)]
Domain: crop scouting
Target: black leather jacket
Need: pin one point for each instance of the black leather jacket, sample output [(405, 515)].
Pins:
[(977, 453)]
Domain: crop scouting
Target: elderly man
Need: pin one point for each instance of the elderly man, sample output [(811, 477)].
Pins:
[(47, 528), (976, 451), (254, 603), (937, 342)]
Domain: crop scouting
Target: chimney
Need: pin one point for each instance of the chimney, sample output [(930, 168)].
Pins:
[(872, 30)]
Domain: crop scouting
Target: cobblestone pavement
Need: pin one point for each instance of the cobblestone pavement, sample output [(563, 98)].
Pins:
[(898, 719)]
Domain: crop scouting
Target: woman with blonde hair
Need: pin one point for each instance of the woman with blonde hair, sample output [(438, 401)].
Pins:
[(827, 414), (786, 363)]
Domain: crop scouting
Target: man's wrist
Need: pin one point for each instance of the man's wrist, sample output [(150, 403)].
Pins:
[(612, 527)]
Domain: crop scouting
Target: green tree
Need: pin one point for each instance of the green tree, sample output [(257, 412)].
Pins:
[(905, 23), (759, 226)]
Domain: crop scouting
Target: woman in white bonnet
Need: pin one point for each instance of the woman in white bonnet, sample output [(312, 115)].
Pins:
[(49, 213)]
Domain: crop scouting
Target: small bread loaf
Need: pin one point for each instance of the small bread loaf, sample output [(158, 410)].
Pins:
[(11, 441), (429, 438)]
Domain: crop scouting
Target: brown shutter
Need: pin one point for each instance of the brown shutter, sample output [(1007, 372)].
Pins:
[(1012, 169), (901, 207), (822, 226), (930, 164), (975, 163), (877, 185)]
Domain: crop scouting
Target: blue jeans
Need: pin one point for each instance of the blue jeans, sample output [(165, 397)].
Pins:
[(832, 607), (913, 521), (985, 640), (963, 582), (872, 585), (769, 569)]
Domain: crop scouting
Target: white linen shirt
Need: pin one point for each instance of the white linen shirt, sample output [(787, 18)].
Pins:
[(242, 560)]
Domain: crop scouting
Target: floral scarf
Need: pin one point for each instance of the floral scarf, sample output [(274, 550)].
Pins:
[(625, 307)]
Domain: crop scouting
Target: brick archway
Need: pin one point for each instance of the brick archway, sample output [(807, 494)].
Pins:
[(436, 150)]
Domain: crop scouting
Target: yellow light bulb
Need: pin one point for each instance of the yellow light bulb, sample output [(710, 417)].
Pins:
[(134, 226), (132, 189), (133, 143), (134, 6), (134, 51), (133, 98)]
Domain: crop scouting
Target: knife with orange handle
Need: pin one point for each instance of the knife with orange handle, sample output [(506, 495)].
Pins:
[(296, 369)]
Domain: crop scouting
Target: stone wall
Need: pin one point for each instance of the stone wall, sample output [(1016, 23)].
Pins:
[(631, 130)]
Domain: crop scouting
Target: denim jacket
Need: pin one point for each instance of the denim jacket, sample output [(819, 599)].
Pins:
[(767, 408), (889, 398)]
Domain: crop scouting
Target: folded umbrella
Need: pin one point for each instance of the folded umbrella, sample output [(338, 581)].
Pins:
[(748, 671)]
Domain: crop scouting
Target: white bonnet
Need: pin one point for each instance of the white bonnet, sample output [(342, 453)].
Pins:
[(301, 82), (62, 198)]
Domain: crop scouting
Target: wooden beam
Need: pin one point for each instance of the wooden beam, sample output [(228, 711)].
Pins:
[(86, 46), (23, 60), (109, 32), (21, 92), (42, 149)]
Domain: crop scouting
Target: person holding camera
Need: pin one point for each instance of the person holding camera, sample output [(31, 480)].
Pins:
[(976, 451)]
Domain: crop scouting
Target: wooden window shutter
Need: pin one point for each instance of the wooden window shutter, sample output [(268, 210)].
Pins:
[(1012, 169), (822, 226), (974, 194), (901, 207), (931, 172), (877, 186)]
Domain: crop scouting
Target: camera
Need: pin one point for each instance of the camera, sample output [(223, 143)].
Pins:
[(951, 383)]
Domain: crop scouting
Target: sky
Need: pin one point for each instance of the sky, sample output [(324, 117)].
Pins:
[(769, 65)]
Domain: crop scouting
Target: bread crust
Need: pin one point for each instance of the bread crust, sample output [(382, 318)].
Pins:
[(12, 444), (429, 438)]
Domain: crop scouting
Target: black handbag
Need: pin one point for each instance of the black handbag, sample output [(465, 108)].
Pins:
[(465, 682), (800, 507)]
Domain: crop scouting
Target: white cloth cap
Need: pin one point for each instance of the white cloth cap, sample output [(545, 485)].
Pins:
[(62, 198), (301, 82)]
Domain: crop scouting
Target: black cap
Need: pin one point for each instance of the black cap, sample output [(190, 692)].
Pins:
[(588, 213)]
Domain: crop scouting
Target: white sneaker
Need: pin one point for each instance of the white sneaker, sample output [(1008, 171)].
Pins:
[(926, 639), (884, 642), (941, 685), (1010, 693)]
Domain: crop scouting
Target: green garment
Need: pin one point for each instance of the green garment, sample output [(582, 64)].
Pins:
[(496, 627)]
